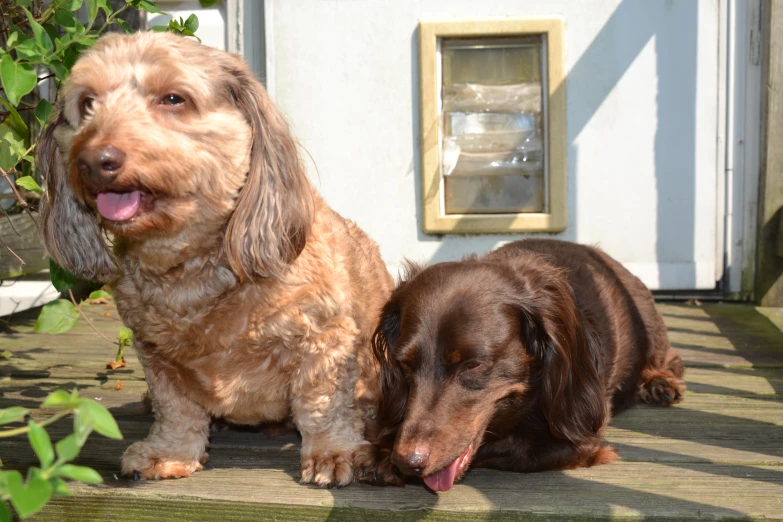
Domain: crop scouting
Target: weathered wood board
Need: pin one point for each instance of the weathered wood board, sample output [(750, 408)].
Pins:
[(718, 455)]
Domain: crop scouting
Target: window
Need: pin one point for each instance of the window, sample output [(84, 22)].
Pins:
[(493, 126)]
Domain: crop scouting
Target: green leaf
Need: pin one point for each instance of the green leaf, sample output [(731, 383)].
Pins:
[(67, 448), (61, 489), (52, 31), (11, 147), (5, 513), (159, 28), (192, 23), (16, 36), (72, 5), (92, 10), (60, 70), (58, 399), (30, 50), (67, 20), (41, 443), (5, 354), (42, 111), (15, 121), (13, 37), (125, 26), (147, 6), (82, 426), (18, 79), (125, 337), (207, 3), (61, 278), (25, 3), (28, 498), (13, 414), (27, 182), (104, 423), (187, 32), (57, 317), (100, 294), (104, 4), (39, 33), (80, 473)]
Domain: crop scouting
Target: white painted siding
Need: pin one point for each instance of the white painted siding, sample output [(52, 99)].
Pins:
[(642, 95)]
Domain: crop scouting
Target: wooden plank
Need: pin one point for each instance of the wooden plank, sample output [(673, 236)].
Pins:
[(725, 335), (685, 462), (744, 426), (768, 289), (622, 490), (77, 354)]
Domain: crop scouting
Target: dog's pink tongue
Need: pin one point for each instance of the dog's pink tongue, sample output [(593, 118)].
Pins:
[(118, 206), (443, 479)]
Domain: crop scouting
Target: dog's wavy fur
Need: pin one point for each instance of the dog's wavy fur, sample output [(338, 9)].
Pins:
[(515, 360), (249, 298)]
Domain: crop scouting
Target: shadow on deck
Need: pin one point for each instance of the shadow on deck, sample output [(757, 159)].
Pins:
[(717, 455)]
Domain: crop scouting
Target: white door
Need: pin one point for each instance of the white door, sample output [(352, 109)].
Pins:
[(644, 106)]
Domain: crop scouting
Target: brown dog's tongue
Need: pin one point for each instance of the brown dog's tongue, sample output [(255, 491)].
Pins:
[(443, 479), (118, 206)]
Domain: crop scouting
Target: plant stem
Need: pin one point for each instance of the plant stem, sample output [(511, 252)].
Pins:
[(79, 308), (10, 222), (110, 18), (50, 12), (12, 251), (19, 197), (24, 429)]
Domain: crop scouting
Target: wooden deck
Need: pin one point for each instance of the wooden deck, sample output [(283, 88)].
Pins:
[(717, 455)]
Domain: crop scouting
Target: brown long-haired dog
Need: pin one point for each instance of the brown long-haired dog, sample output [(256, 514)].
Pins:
[(515, 361), (248, 297)]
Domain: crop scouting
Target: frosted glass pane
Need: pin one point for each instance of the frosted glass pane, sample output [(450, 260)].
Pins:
[(492, 146)]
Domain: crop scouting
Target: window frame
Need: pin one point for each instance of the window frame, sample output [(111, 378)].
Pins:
[(435, 220)]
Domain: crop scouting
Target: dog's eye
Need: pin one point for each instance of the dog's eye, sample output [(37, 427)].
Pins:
[(85, 107), (471, 365), (172, 99)]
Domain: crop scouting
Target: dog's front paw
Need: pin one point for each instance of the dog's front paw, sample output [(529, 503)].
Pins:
[(332, 469), (156, 461), (663, 390), (376, 469)]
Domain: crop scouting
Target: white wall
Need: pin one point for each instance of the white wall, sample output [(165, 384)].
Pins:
[(642, 146)]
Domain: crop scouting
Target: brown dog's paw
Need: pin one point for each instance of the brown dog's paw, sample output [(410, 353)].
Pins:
[(327, 470), (147, 460), (662, 390), (376, 470)]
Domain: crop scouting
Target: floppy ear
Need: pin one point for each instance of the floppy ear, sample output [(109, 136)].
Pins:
[(572, 395), (274, 211), (68, 227), (393, 388)]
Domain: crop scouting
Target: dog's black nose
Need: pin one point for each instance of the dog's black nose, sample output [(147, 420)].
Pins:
[(101, 165), (412, 463)]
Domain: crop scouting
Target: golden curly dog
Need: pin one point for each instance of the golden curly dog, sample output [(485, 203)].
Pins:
[(249, 298)]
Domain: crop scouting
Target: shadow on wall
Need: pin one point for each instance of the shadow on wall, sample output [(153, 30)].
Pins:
[(588, 84)]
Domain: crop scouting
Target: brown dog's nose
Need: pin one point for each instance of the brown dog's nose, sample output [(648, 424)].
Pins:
[(412, 463), (101, 165)]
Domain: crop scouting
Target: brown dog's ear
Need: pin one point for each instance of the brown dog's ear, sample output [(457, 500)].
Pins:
[(572, 395), (274, 211), (69, 229), (393, 387)]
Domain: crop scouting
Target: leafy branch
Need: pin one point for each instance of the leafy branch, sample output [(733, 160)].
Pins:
[(29, 495)]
